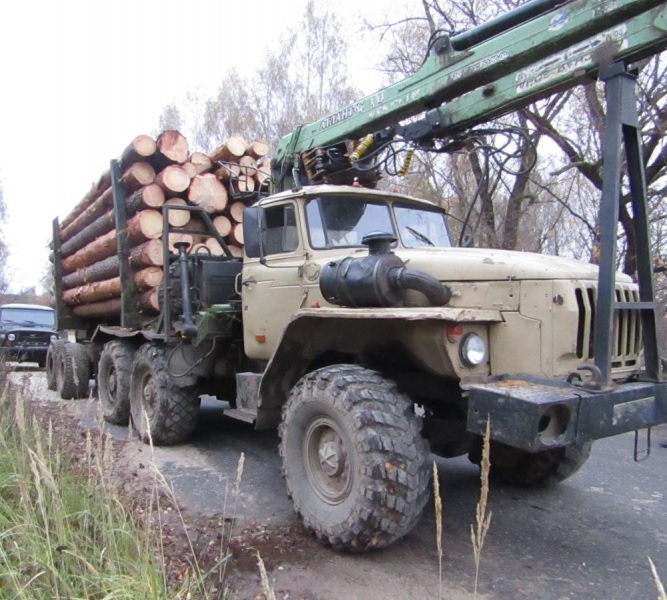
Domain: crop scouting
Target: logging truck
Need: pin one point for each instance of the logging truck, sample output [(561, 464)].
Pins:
[(311, 301)]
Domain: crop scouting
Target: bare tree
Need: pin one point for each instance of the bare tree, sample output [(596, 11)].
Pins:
[(304, 78), (4, 250)]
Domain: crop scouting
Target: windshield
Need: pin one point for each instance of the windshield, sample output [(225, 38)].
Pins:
[(26, 317), (421, 227), (335, 221)]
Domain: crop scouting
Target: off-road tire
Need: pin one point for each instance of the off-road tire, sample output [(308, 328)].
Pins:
[(72, 371), (171, 411), (55, 348), (524, 469), (113, 381), (369, 427)]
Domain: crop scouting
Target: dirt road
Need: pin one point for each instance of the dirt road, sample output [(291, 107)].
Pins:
[(588, 537)]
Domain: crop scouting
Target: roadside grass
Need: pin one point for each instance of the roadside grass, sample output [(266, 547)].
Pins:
[(67, 532)]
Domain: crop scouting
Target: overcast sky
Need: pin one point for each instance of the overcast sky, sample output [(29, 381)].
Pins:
[(79, 79)]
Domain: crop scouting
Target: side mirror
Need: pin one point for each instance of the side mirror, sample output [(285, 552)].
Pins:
[(252, 231)]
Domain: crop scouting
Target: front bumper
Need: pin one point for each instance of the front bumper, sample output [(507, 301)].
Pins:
[(537, 415)]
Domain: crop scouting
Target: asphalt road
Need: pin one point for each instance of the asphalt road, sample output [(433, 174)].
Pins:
[(588, 537)]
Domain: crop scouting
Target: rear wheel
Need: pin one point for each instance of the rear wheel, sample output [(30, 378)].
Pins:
[(526, 469), (162, 413), (113, 381), (72, 371), (353, 457), (51, 362)]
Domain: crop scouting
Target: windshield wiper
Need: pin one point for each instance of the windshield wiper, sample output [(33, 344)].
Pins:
[(419, 236)]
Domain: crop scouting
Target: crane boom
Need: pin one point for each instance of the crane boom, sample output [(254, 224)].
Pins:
[(526, 54)]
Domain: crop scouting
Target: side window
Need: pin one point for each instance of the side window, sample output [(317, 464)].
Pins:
[(280, 230)]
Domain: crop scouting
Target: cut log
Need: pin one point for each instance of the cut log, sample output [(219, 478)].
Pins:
[(214, 246), (174, 238), (96, 189), (149, 196), (244, 184), (107, 289), (199, 248), (140, 148), (145, 225), (236, 211), (97, 228), (223, 225), (263, 171), (173, 179), (201, 161), (257, 149), (236, 235), (150, 300), (190, 169), (135, 177), (150, 277), (248, 166), (146, 255), (93, 292), (208, 193), (231, 149), (177, 218), (236, 251), (173, 146), (106, 309), (97, 250), (228, 171)]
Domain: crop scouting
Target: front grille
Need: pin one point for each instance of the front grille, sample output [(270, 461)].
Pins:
[(627, 337), (31, 339)]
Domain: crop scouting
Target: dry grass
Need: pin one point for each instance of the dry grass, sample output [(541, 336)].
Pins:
[(438, 524), (483, 519), (658, 583)]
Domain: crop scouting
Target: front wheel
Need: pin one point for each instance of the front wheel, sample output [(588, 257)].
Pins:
[(162, 413), (353, 457)]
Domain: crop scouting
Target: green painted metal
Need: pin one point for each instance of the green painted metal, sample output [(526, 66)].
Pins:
[(534, 59)]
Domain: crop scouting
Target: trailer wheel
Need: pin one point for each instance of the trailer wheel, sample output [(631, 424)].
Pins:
[(353, 457), (525, 469), (162, 413), (72, 371), (113, 381), (51, 361)]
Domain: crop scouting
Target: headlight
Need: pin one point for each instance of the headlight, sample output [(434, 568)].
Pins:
[(472, 350), (54, 337), (11, 337)]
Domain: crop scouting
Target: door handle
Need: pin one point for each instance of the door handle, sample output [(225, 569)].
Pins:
[(248, 282)]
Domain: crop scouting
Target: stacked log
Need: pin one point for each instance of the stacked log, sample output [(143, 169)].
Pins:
[(158, 176)]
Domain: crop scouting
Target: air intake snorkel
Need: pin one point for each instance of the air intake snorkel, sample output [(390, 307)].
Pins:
[(377, 280)]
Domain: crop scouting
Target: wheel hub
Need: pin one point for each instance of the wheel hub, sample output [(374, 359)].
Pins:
[(332, 456), (326, 460), (111, 382)]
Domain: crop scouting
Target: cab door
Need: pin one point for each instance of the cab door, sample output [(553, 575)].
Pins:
[(272, 287)]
